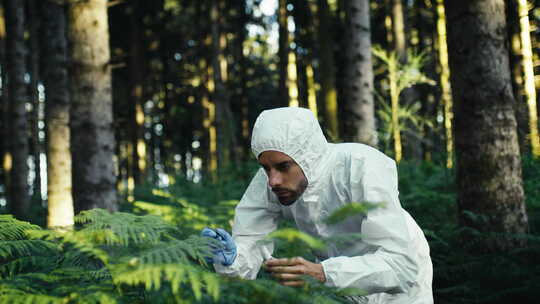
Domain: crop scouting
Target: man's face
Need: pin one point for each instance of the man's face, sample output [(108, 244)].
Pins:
[(285, 176)]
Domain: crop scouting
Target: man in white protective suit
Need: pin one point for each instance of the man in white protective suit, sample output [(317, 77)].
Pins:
[(305, 178)]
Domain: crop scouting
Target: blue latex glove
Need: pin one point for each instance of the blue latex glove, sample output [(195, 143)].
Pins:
[(226, 253)]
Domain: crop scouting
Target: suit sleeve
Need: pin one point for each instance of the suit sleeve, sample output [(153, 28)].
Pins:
[(255, 217), (390, 266)]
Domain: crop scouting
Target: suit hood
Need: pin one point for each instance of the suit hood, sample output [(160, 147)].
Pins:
[(295, 132)]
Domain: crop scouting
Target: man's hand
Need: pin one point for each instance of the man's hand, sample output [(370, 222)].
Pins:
[(290, 271), (224, 255)]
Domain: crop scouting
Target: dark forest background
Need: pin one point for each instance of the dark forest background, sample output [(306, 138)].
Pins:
[(125, 129)]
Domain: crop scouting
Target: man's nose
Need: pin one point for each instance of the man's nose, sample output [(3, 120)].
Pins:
[(274, 179)]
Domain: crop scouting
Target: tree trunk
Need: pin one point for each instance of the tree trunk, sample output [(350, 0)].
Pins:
[(283, 54), (18, 196), (92, 141), (326, 69), (55, 77), (398, 31), (446, 90), (35, 147), (428, 97), (490, 192), (408, 95), (528, 68), (360, 124), (137, 68), (242, 100), (220, 96), (516, 66), (205, 83), (4, 102), (310, 88)]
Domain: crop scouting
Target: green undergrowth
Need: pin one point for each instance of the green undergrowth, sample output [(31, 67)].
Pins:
[(127, 258), (152, 252), (462, 275)]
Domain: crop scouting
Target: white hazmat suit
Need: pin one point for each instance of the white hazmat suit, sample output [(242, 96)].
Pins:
[(390, 262)]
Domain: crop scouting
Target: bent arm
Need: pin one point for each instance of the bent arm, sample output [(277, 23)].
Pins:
[(255, 217), (389, 267)]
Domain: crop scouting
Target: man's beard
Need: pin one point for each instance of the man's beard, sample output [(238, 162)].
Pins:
[(291, 195)]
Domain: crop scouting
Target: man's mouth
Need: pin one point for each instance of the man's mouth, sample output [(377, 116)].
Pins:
[(281, 193)]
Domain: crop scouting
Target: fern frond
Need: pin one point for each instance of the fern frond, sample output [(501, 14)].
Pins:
[(176, 251), (21, 264), (185, 213), (13, 229), (94, 298), (77, 274), (90, 292), (152, 276), (85, 242), (16, 296), (15, 248), (127, 228)]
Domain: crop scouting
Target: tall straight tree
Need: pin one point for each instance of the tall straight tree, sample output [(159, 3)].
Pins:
[(398, 30), (487, 150), (18, 194), (137, 69), (241, 98), (220, 77), (55, 72), (516, 66), (326, 69), (360, 122), (92, 137), (34, 21), (446, 90), (528, 68), (3, 106), (304, 22), (408, 95), (283, 53)]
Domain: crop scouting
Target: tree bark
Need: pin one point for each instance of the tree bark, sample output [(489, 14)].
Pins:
[(490, 192), (408, 95), (220, 96), (446, 90), (425, 21), (4, 102), (283, 54), (55, 77), (18, 195), (516, 66), (360, 124), (35, 147), (241, 73), (327, 76), (137, 68), (398, 30), (528, 68), (92, 141)]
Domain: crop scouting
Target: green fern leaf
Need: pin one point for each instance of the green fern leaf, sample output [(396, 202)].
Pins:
[(14, 248), (291, 235), (13, 229), (349, 210)]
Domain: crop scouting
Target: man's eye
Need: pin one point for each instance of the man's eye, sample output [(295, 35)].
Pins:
[(284, 166)]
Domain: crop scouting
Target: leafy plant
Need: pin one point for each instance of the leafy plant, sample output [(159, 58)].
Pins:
[(428, 191), (125, 258), (400, 76)]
